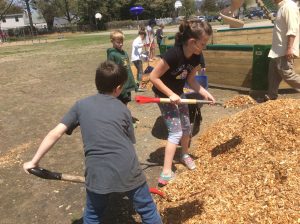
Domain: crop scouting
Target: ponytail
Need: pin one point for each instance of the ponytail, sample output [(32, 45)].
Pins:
[(192, 29)]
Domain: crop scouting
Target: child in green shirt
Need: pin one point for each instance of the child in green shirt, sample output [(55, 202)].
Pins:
[(119, 56)]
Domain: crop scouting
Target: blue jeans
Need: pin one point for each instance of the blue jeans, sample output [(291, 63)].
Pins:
[(142, 202), (139, 67)]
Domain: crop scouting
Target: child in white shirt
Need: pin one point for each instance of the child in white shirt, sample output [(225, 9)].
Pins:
[(137, 48)]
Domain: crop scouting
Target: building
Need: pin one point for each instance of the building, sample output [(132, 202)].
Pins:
[(21, 20), (12, 21)]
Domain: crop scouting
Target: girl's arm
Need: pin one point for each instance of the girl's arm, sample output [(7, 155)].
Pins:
[(160, 69), (49, 141), (197, 87)]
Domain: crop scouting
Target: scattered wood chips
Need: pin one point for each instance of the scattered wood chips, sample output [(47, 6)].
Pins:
[(240, 101), (248, 170), (12, 156)]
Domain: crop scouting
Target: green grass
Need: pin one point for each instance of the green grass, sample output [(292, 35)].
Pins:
[(75, 41)]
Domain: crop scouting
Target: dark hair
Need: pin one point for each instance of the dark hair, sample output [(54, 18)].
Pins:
[(142, 32), (109, 76), (152, 22), (192, 29)]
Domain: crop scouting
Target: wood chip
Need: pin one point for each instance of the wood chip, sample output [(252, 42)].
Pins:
[(240, 101), (248, 170)]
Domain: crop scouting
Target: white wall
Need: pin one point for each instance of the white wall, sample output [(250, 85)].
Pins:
[(12, 23)]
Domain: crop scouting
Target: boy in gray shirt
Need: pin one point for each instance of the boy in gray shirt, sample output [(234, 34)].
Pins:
[(108, 136)]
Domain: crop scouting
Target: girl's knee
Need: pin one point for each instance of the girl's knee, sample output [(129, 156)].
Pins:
[(175, 137)]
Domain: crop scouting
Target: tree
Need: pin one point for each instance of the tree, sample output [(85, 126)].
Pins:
[(190, 7), (27, 3), (49, 10), (9, 7), (209, 6), (67, 8)]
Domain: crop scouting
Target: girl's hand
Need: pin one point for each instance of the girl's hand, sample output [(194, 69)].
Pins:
[(210, 97), (29, 165), (207, 96), (175, 99)]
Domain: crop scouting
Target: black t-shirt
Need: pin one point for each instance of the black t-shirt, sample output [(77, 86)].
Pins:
[(108, 136), (180, 68)]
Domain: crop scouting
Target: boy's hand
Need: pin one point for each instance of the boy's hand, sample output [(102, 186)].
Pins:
[(29, 165)]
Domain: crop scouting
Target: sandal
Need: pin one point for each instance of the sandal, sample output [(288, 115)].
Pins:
[(163, 180)]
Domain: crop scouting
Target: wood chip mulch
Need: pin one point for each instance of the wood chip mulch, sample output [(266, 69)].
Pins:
[(240, 101), (248, 170)]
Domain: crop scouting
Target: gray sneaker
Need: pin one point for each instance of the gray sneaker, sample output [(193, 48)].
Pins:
[(187, 160)]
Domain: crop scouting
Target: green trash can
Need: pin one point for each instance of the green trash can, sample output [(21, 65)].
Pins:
[(260, 67)]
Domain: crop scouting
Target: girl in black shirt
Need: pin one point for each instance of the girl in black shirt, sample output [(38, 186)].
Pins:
[(178, 65)]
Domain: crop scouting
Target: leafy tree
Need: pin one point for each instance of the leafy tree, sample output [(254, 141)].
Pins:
[(67, 8), (9, 7), (88, 8), (49, 9), (190, 7), (209, 6)]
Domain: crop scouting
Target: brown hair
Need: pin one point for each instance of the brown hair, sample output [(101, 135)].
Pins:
[(142, 32), (192, 29), (109, 76), (117, 35)]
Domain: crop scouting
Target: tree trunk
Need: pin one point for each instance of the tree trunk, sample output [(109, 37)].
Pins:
[(67, 11), (29, 16)]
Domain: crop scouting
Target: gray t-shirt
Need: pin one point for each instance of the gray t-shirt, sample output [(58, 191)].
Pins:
[(108, 136)]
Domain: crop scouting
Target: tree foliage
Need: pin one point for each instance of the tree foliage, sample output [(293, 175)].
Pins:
[(209, 6), (111, 10), (9, 7), (49, 9)]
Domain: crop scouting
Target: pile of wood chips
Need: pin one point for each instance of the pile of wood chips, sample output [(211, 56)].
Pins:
[(240, 101), (248, 170)]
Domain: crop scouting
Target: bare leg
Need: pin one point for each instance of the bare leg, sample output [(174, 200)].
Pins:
[(168, 160), (185, 144)]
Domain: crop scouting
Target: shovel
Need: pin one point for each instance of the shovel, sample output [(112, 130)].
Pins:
[(47, 174), (145, 99), (149, 68)]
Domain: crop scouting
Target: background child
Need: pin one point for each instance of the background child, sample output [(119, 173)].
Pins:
[(178, 65), (150, 38), (120, 57), (160, 34), (110, 158), (137, 48)]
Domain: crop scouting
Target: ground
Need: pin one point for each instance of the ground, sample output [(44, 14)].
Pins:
[(38, 85)]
